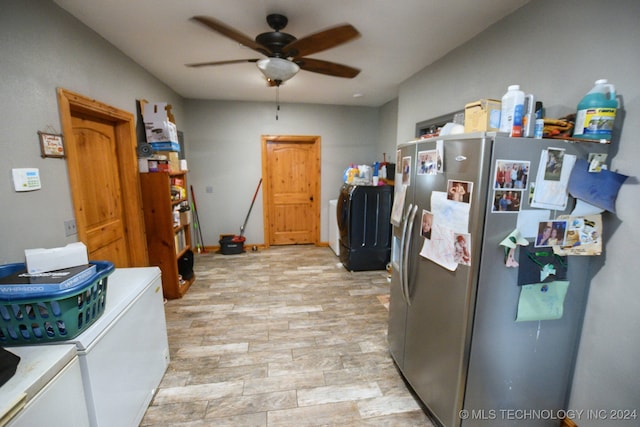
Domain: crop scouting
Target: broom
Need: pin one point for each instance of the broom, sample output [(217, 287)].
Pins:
[(196, 224), (241, 237)]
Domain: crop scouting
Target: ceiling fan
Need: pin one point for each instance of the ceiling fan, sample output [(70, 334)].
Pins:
[(285, 54)]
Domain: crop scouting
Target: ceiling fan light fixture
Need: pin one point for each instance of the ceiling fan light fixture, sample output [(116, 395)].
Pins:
[(277, 69)]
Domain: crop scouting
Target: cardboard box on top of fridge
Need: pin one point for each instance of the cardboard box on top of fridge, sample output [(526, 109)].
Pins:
[(159, 125), (43, 260), (482, 116)]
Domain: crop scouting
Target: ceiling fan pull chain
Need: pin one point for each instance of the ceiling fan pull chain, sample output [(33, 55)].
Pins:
[(277, 100)]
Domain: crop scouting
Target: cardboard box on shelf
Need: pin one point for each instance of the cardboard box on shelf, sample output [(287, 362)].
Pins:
[(158, 165), (159, 125), (185, 217), (165, 146), (482, 116), (173, 158)]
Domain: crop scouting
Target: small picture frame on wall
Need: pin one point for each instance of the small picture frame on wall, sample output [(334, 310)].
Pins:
[(51, 145)]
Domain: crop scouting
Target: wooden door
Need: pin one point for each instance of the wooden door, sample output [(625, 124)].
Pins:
[(100, 198), (103, 174), (291, 191)]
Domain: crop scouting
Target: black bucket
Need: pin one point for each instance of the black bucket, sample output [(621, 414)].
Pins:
[(231, 245)]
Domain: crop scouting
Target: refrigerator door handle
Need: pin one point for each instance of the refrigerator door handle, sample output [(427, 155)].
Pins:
[(407, 245), (402, 252)]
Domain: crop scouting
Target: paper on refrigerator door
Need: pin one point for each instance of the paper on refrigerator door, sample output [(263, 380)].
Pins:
[(448, 213), (529, 219), (440, 248), (542, 301), (584, 235), (450, 226), (552, 179), (398, 204)]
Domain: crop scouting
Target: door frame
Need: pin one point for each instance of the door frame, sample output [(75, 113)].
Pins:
[(266, 192), (73, 104)]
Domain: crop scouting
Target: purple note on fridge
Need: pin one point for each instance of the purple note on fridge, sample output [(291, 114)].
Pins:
[(597, 188)]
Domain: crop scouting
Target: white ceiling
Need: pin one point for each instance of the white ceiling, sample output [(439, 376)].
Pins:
[(399, 38)]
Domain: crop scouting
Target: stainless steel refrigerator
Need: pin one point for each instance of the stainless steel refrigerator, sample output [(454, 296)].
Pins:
[(452, 328)]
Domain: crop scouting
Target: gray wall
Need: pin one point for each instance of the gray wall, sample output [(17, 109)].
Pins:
[(556, 50), (225, 160), (388, 127), (43, 48)]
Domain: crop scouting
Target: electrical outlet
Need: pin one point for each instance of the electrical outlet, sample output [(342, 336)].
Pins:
[(70, 228)]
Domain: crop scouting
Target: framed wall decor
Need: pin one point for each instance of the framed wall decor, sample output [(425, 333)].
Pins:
[(51, 145)]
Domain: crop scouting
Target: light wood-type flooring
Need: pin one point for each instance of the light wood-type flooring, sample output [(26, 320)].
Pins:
[(284, 336)]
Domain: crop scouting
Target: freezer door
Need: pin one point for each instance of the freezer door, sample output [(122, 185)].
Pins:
[(440, 315), (397, 305), (397, 301)]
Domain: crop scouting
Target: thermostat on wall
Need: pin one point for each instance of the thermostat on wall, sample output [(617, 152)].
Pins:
[(26, 179)]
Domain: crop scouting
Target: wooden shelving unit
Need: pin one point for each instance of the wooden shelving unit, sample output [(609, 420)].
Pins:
[(166, 241)]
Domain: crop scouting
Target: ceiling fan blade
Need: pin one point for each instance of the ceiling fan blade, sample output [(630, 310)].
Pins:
[(231, 33), (328, 68), (232, 61), (322, 40)]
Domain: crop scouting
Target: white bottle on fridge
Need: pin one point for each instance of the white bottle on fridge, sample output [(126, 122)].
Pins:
[(512, 111)]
